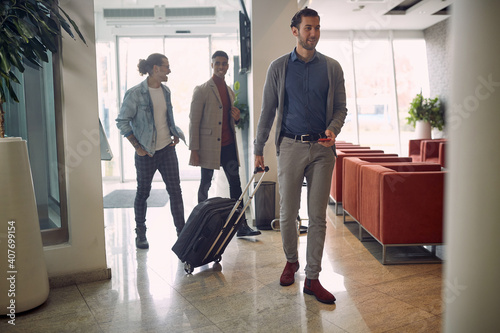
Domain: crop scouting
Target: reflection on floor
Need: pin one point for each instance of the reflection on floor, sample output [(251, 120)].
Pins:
[(150, 292)]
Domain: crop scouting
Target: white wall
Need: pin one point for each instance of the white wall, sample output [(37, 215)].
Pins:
[(472, 271), (271, 38), (85, 252)]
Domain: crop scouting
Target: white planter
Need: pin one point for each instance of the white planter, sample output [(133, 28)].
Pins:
[(24, 284), (423, 130)]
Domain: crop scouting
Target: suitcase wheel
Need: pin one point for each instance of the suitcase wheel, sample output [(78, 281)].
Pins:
[(218, 259), (188, 268)]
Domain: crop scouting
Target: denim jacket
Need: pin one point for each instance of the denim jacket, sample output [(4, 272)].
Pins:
[(137, 117)]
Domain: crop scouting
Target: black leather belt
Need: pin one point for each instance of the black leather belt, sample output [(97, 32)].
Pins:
[(305, 137)]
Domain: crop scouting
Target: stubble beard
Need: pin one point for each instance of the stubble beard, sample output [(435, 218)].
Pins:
[(305, 45)]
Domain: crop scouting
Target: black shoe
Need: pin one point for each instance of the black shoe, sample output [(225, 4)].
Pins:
[(141, 241), (245, 230)]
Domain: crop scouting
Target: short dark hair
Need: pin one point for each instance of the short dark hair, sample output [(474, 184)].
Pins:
[(220, 54), (297, 18)]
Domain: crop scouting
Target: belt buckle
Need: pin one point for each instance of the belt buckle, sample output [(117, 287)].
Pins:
[(302, 138)]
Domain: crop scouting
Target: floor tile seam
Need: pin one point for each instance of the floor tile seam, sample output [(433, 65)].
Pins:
[(401, 328), (29, 316), (416, 274), (197, 309), (408, 304), (418, 306), (174, 287), (89, 308)]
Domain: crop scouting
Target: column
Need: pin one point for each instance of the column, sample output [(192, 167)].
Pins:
[(472, 273)]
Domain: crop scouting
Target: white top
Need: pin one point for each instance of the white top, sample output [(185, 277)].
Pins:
[(163, 136)]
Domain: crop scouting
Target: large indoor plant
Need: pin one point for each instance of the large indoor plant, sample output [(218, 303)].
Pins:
[(30, 31), (425, 114)]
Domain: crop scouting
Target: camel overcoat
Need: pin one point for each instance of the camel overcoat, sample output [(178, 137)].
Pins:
[(205, 124)]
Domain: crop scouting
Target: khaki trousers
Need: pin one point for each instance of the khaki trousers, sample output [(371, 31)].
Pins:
[(297, 160)]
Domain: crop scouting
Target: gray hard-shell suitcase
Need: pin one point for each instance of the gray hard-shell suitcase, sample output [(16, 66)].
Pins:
[(210, 227)]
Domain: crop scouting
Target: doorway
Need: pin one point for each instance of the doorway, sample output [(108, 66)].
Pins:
[(189, 59)]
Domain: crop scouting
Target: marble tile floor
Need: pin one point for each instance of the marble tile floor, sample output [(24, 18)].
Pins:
[(150, 292)]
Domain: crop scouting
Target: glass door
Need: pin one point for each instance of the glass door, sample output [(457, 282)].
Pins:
[(189, 59)]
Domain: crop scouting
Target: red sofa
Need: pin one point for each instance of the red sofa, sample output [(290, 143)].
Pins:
[(350, 180), (442, 154), (336, 186), (424, 150), (401, 206), (429, 150)]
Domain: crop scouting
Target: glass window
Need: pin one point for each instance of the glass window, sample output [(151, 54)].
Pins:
[(190, 64), (375, 91), (340, 50), (373, 115), (108, 104), (410, 62), (35, 120)]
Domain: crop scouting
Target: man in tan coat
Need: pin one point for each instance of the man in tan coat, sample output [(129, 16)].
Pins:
[(212, 139)]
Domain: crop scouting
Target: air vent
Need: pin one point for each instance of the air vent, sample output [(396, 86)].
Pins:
[(403, 7), (190, 12), (111, 13), (444, 11), (160, 14)]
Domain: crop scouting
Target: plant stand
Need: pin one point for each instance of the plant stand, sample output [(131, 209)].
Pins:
[(24, 281)]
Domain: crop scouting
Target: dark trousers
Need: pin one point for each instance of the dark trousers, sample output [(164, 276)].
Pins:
[(229, 163), (165, 161)]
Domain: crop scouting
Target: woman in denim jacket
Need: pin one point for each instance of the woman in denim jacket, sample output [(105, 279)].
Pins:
[(146, 120)]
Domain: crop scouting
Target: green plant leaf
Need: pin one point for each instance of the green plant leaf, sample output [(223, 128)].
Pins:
[(428, 109), (29, 28), (73, 24)]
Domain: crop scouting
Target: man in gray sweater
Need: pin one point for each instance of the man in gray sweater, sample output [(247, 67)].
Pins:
[(305, 92)]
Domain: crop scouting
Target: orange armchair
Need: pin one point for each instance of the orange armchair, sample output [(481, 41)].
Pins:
[(336, 186), (442, 153), (424, 150), (350, 180), (429, 150), (401, 208)]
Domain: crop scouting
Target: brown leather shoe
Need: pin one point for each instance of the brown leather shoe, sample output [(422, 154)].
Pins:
[(313, 287), (288, 276)]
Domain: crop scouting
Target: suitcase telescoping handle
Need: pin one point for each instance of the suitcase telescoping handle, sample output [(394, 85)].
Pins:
[(250, 197), (259, 169)]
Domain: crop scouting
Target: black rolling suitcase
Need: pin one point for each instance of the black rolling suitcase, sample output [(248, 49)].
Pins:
[(210, 227)]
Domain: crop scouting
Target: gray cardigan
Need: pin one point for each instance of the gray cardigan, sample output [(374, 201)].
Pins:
[(273, 100)]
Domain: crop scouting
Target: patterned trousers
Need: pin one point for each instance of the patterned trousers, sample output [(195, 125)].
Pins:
[(165, 161)]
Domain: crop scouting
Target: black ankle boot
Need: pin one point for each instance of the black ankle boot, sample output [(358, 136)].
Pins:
[(141, 241), (245, 230)]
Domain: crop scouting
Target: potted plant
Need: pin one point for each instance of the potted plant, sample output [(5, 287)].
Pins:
[(244, 114), (29, 29), (425, 114)]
